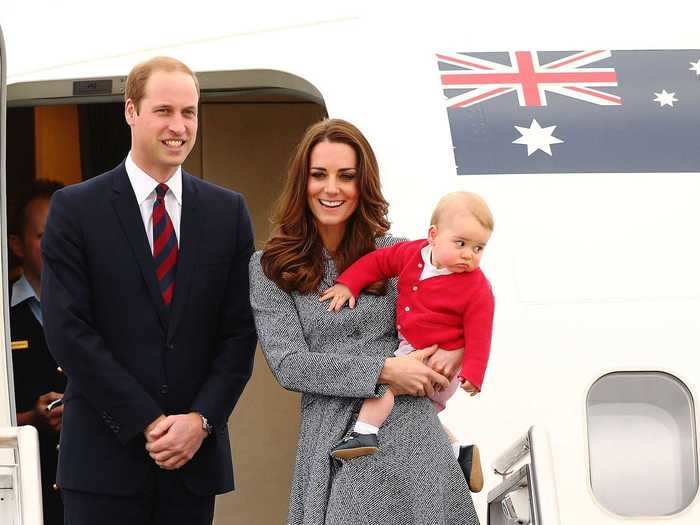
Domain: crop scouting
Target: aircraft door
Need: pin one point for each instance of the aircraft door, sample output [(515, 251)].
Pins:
[(527, 495), (6, 391)]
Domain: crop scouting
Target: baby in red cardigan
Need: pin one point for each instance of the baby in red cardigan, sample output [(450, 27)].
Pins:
[(444, 299)]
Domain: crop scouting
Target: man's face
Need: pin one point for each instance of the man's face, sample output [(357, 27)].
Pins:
[(27, 245), (164, 129)]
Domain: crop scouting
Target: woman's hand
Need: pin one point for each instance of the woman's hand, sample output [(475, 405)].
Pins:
[(411, 376), (339, 294), (446, 362)]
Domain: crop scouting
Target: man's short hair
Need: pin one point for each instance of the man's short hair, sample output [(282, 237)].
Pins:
[(39, 189), (135, 88)]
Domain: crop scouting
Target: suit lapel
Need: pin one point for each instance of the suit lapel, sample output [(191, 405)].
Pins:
[(190, 238), (127, 209)]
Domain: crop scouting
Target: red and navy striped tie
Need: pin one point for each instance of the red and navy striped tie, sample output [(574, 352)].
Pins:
[(164, 245)]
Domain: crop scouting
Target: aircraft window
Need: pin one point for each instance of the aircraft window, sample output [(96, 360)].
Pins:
[(642, 443)]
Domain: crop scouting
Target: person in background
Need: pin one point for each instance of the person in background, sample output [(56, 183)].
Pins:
[(38, 380)]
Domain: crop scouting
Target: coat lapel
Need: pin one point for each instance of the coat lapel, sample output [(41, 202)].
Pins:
[(190, 237), (127, 209)]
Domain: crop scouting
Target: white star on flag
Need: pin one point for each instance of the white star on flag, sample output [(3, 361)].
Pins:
[(695, 66), (665, 99), (536, 137)]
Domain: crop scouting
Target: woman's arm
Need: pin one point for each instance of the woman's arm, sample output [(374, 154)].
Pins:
[(287, 353), (296, 368)]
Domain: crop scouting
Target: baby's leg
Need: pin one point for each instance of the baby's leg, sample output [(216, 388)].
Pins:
[(362, 441), (469, 460), (375, 410)]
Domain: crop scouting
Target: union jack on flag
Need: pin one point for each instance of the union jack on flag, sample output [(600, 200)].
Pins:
[(562, 111), (525, 75)]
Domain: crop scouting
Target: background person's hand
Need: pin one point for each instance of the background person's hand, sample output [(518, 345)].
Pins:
[(176, 439), (40, 417)]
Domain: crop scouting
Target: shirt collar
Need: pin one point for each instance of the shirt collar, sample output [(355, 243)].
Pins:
[(144, 185), (21, 291), (426, 253)]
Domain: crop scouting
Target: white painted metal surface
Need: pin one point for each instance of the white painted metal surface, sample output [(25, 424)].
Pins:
[(20, 479)]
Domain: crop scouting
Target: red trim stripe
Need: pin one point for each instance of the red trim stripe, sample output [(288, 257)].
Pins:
[(163, 238), (168, 293), (167, 264), (574, 59), (598, 94), (480, 97), (445, 58)]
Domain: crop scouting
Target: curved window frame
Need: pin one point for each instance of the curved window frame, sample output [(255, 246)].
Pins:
[(690, 432)]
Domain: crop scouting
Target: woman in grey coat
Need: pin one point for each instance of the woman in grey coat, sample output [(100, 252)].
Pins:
[(332, 212)]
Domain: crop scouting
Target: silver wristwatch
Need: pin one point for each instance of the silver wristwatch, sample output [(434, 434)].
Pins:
[(205, 425)]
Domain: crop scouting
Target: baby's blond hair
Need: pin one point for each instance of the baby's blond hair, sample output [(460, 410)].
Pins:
[(463, 201)]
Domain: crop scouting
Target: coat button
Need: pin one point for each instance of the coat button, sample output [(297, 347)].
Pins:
[(164, 389), (415, 288), (420, 265), (407, 309), (59, 369), (54, 487)]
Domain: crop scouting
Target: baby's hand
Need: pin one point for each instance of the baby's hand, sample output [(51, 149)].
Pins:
[(339, 294), (468, 387)]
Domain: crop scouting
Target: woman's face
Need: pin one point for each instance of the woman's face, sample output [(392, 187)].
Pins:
[(332, 188)]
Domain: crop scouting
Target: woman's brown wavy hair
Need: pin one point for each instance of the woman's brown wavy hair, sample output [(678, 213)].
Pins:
[(293, 255)]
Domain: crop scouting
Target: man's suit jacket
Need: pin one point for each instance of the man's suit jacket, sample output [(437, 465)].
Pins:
[(129, 358)]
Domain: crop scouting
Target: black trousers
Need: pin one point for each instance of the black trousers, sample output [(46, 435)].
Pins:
[(167, 502)]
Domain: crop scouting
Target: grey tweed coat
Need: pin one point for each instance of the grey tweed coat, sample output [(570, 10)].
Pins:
[(335, 359)]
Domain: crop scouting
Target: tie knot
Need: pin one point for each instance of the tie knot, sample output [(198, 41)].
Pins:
[(161, 190)]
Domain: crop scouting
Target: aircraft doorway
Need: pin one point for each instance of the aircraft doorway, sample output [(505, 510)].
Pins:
[(245, 138)]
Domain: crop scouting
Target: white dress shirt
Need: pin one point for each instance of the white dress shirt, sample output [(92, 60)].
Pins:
[(144, 187), (23, 291), (429, 270)]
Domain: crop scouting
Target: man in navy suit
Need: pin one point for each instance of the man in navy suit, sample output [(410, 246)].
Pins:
[(145, 305)]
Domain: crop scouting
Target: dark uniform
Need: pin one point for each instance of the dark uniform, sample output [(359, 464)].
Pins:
[(35, 374)]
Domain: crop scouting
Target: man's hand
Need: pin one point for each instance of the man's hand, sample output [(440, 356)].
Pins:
[(468, 387), (446, 362), (339, 294), (40, 417), (174, 440), (410, 375), (148, 433)]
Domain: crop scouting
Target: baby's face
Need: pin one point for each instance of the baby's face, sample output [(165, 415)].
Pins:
[(458, 242)]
